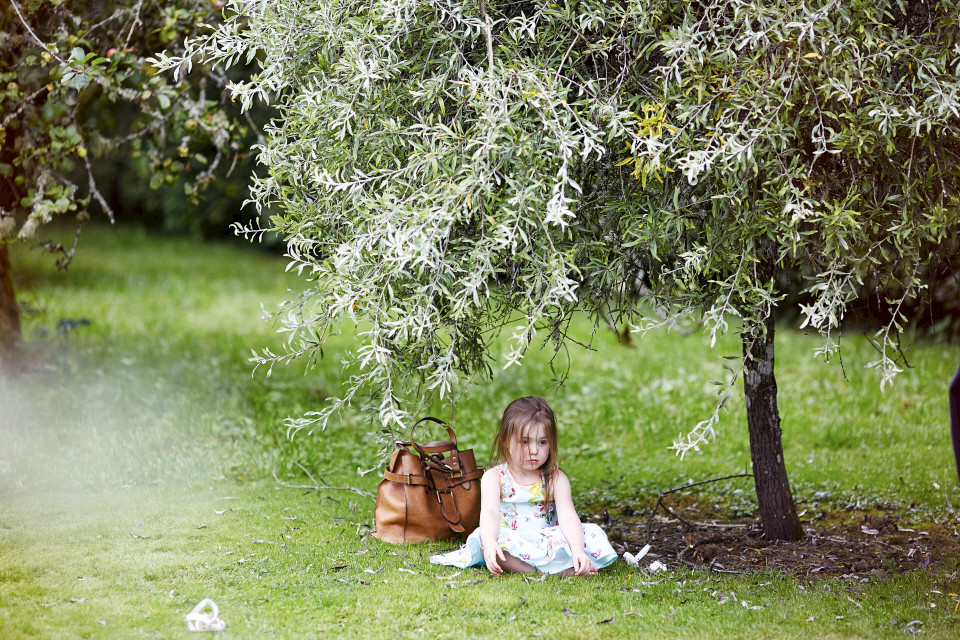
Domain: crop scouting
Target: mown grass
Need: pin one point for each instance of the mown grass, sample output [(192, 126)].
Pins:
[(136, 460)]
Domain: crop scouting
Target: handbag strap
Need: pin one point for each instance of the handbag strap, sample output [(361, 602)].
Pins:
[(448, 503), (406, 478), (433, 447)]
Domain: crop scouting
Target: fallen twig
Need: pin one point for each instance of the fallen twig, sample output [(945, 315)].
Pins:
[(317, 487), (660, 497)]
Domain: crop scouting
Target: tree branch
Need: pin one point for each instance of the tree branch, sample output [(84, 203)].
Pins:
[(40, 42), (489, 31)]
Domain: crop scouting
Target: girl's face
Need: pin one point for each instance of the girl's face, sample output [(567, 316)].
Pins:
[(531, 448)]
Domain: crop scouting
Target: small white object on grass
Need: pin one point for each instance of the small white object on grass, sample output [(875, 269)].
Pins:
[(634, 560), (200, 620), (656, 565)]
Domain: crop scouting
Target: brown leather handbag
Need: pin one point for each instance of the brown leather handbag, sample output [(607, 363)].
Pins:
[(429, 491)]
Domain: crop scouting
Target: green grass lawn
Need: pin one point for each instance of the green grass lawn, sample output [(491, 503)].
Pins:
[(136, 461)]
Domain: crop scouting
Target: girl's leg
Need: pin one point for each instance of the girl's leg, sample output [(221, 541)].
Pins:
[(569, 573), (515, 564)]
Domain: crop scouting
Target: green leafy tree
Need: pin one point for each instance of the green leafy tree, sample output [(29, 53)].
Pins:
[(447, 168), (75, 91)]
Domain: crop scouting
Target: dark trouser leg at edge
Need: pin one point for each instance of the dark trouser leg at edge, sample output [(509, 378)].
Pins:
[(955, 418)]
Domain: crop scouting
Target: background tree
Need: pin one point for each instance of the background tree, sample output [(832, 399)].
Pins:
[(75, 93), (446, 169)]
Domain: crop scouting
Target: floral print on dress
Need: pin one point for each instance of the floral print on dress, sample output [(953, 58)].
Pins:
[(529, 531), (524, 507)]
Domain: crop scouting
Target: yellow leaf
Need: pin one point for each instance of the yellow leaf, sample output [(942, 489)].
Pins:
[(813, 55)]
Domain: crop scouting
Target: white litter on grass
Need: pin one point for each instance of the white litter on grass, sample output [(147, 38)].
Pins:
[(200, 620), (634, 560), (913, 626), (656, 565)]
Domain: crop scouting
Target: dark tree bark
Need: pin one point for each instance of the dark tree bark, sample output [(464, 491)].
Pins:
[(9, 314), (778, 514)]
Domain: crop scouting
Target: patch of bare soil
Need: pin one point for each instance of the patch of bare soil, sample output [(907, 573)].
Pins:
[(850, 545)]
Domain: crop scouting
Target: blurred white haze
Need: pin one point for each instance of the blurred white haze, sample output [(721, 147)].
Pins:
[(90, 432)]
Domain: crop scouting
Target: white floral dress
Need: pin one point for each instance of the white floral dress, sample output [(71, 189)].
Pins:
[(529, 531)]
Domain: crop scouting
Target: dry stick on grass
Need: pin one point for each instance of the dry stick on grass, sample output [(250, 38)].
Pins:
[(660, 503), (316, 486)]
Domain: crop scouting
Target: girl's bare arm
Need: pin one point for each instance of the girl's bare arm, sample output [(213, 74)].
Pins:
[(490, 520), (569, 522)]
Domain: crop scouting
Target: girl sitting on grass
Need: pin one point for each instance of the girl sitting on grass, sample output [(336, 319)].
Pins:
[(527, 518)]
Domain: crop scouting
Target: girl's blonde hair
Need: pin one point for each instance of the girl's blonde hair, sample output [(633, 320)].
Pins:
[(519, 417)]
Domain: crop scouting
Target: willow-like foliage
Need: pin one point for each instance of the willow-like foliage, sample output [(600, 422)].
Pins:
[(447, 169)]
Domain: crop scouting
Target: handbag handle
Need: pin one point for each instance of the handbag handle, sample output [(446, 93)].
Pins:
[(434, 447)]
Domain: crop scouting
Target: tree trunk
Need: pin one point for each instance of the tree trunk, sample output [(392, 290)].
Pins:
[(9, 314), (778, 515)]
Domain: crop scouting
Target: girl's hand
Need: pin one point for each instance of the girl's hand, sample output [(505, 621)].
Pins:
[(490, 556), (581, 563)]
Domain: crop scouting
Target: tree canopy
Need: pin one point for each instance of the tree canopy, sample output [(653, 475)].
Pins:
[(75, 95), (76, 87), (443, 164), (446, 169)]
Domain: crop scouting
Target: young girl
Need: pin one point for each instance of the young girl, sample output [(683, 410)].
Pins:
[(527, 518)]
